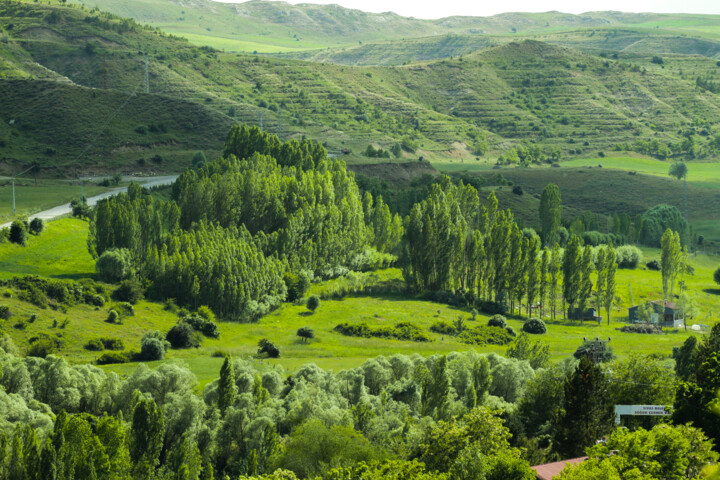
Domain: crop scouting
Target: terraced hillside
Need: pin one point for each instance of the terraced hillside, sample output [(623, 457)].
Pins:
[(484, 103)]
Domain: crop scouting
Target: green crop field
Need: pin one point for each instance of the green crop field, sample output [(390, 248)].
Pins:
[(60, 252)]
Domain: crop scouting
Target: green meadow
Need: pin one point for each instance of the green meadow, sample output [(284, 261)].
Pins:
[(60, 252)]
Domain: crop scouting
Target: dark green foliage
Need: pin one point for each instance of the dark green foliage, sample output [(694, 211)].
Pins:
[(641, 328), (536, 353), (534, 326), (658, 219), (80, 208), (443, 327), (114, 265), (153, 346), (44, 344), (716, 276), (113, 317), (268, 348), (130, 290), (550, 214), (497, 321), (207, 327), (401, 331), (36, 226), (297, 284), (685, 358), (5, 313), (306, 333), (586, 414), (110, 358), (104, 343), (595, 350), (484, 335), (94, 345), (227, 389), (198, 160), (145, 439), (313, 303), (18, 232), (182, 335)]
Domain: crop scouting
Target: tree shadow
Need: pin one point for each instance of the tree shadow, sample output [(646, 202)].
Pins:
[(712, 291), (305, 314)]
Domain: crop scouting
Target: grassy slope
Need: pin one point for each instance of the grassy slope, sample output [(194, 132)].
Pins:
[(60, 252), (520, 92)]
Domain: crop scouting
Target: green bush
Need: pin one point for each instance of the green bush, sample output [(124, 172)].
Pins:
[(534, 326), (401, 331), (484, 335), (114, 265), (111, 358), (297, 284), (94, 345), (18, 233), (183, 335), (36, 226), (153, 346), (113, 317), (497, 321), (642, 328), (443, 327), (5, 313), (628, 256), (268, 348), (130, 291), (313, 303), (200, 324)]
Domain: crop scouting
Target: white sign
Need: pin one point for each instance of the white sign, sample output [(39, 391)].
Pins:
[(654, 410)]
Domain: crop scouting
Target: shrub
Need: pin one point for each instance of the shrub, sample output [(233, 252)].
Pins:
[(125, 309), (511, 331), (588, 347), (534, 326), (653, 265), (96, 300), (716, 276), (111, 358), (18, 233), (497, 321), (628, 256), (205, 312), (112, 343), (153, 346), (306, 333), (401, 331), (484, 335), (94, 345), (5, 313), (114, 265), (443, 327), (130, 291), (183, 335), (313, 303), (517, 190), (113, 317), (642, 328), (44, 345), (36, 226), (266, 347), (206, 327)]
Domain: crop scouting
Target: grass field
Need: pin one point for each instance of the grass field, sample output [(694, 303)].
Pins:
[(32, 197), (61, 252)]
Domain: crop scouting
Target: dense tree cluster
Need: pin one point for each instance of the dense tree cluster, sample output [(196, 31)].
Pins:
[(243, 229)]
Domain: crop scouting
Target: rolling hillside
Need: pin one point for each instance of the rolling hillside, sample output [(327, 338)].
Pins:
[(469, 109)]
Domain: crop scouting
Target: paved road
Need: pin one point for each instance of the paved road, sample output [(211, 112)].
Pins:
[(65, 209)]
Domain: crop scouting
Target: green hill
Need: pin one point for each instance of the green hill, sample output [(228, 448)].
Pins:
[(480, 105)]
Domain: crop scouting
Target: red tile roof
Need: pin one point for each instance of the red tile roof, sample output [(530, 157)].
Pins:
[(549, 470)]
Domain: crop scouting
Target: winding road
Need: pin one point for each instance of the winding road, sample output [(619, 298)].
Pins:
[(62, 210)]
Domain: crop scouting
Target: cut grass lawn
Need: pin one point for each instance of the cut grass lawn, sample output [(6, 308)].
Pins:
[(61, 252)]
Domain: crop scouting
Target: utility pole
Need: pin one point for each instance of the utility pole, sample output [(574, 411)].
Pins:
[(261, 121), (147, 74)]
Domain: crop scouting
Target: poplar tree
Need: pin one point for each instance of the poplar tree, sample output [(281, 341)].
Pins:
[(227, 390), (571, 272), (670, 261), (533, 272), (601, 281), (550, 213), (543, 286), (610, 286), (555, 271), (146, 437), (585, 291)]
